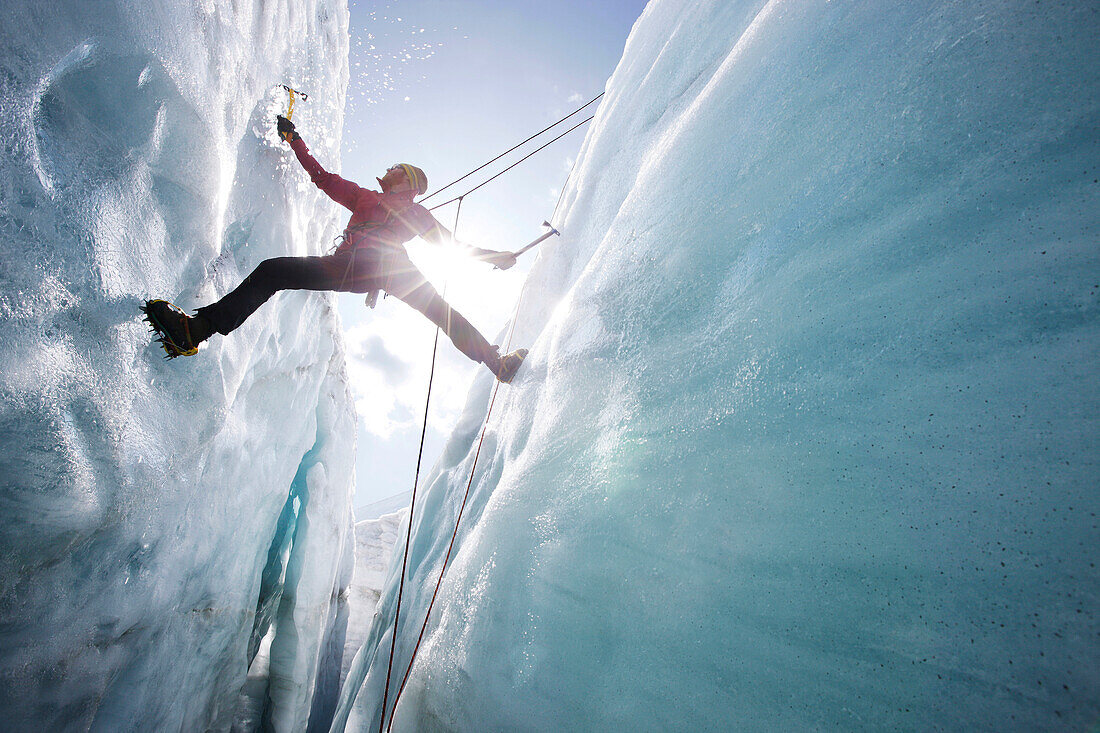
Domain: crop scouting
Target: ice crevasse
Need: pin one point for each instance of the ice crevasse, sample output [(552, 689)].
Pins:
[(807, 436), (161, 518)]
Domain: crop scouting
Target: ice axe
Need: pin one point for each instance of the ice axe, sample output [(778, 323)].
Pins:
[(292, 92), (549, 234)]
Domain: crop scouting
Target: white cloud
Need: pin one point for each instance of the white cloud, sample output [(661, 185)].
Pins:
[(389, 362)]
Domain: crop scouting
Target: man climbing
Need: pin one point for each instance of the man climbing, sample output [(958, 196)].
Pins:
[(370, 258)]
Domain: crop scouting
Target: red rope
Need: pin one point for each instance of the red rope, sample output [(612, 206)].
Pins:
[(477, 454), (458, 521), (412, 507)]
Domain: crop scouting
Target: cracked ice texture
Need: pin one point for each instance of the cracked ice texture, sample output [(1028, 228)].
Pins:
[(808, 434), (160, 517)]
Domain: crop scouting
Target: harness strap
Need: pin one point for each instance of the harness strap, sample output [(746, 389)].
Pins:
[(368, 226)]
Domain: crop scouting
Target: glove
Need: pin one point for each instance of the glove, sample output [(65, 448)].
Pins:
[(501, 260), (286, 129)]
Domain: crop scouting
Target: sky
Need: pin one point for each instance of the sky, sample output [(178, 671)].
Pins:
[(448, 85)]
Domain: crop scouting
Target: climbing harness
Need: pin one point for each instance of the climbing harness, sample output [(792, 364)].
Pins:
[(291, 93), (382, 725), (371, 299)]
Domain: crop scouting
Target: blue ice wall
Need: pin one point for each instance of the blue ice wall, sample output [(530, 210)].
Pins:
[(143, 546), (808, 434)]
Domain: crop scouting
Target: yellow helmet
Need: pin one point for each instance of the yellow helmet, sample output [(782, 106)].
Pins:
[(416, 177)]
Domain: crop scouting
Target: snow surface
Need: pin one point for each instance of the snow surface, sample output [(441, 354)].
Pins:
[(162, 518), (807, 436)]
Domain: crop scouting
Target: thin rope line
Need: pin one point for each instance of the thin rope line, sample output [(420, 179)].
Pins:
[(563, 187), (498, 175), (481, 439), (518, 145), (412, 503), (461, 511)]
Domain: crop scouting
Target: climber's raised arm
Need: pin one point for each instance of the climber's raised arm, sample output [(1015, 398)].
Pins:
[(340, 190)]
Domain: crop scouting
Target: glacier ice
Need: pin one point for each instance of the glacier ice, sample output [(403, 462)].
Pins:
[(807, 436), (374, 543), (161, 519)]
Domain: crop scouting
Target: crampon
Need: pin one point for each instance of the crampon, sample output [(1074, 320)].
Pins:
[(171, 325)]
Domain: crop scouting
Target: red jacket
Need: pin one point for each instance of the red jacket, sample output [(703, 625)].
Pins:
[(385, 217)]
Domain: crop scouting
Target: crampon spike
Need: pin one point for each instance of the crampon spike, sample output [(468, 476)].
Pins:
[(158, 325)]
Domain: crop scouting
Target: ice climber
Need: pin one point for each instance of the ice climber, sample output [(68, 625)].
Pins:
[(370, 258)]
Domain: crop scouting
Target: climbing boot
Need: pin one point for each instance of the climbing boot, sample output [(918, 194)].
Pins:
[(178, 333), (505, 367)]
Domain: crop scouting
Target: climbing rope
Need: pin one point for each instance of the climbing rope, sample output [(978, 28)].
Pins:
[(412, 501), (517, 145), (562, 192), (498, 175), (382, 725), (450, 546)]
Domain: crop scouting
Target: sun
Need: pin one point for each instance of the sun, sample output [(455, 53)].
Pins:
[(485, 295)]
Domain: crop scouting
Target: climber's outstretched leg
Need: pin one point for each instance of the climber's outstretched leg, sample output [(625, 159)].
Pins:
[(181, 334), (406, 282), (352, 270), (271, 276)]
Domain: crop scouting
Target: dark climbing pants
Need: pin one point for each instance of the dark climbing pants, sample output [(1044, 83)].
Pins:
[(352, 270)]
